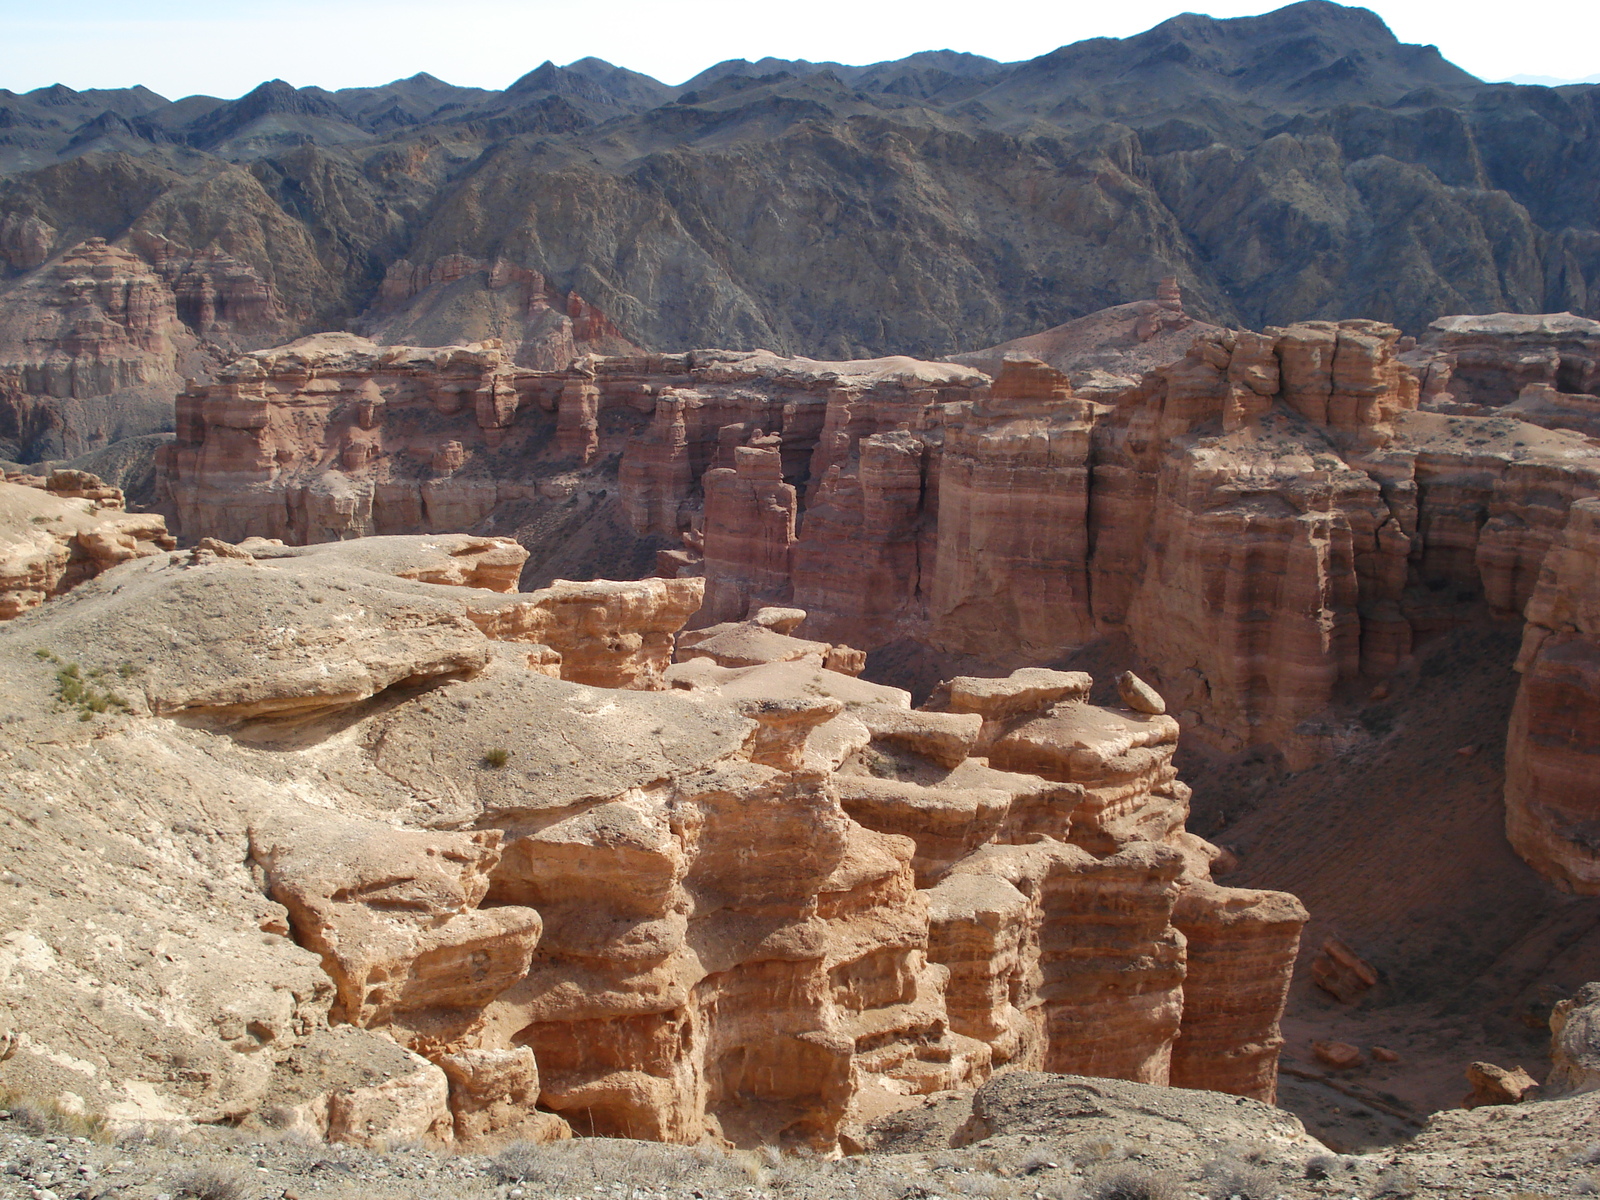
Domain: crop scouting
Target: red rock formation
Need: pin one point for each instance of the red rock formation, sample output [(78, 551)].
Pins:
[(577, 421), (1145, 969), (1496, 1085), (57, 532), (856, 568), (750, 532), (1013, 528), (758, 903), (214, 293), (1242, 947), (25, 241), (608, 634), (98, 341), (1542, 368), (1340, 972), (1267, 519), (1552, 785)]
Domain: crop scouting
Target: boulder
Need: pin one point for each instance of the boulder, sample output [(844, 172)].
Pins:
[(1575, 1044), (1496, 1085)]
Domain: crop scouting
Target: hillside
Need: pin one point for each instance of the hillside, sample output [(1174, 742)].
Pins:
[(1301, 164)]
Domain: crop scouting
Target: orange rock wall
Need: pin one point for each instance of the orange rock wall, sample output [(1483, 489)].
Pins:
[(1553, 747)]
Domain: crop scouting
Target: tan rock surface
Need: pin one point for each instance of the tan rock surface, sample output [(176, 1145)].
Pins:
[(511, 896), (56, 536), (1496, 1085), (1575, 1044)]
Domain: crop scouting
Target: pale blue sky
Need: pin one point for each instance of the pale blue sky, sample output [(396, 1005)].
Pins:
[(225, 47)]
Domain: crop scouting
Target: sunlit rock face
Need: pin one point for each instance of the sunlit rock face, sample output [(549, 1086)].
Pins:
[(487, 864)]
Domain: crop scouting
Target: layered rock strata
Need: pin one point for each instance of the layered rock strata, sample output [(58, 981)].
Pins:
[(336, 436), (95, 344), (1552, 747), (1270, 519), (58, 531), (1540, 368), (460, 298), (753, 904)]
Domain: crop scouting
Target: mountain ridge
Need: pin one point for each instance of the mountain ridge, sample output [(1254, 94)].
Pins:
[(1299, 164)]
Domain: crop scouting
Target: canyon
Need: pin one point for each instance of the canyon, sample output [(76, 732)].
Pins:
[(965, 706), (1270, 523), (1301, 164), (394, 850), (491, 907)]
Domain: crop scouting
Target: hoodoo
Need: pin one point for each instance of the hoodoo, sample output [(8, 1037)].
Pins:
[(567, 882)]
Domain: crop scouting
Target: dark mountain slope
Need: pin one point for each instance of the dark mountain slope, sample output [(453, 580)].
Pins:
[(1299, 164)]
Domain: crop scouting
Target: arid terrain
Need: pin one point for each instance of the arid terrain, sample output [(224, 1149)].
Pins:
[(1303, 164), (944, 629)]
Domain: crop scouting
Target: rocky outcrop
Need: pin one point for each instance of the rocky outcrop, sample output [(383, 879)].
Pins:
[(1541, 368), (1575, 1044), (1552, 801), (460, 298), (1270, 519), (756, 904), (1492, 1085), (96, 343), (336, 436), (58, 531), (750, 514), (1106, 350), (1012, 548)]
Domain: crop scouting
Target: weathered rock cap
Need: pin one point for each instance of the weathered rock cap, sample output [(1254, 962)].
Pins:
[(1024, 691), (748, 645), (1139, 695), (457, 559), (779, 620)]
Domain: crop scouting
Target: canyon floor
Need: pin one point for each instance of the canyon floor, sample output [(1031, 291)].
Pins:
[(1472, 946)]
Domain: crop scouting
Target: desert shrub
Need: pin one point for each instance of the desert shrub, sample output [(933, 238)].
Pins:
[(82, 690), (31, 1116), (208, 1181), (496, 757), (1322, 1166), (1231, 1179), (42, 1117), (518, 1162), (1393, 1182), (1134, 1183), (983, 1186), (566, 1168)]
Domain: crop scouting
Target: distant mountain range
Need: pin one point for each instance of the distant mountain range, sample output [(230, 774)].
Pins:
[(1303, 163)]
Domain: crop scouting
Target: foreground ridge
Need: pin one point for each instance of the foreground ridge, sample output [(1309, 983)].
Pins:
[(433, 858)]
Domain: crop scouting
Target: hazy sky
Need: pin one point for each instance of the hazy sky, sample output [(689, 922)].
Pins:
[(225, 47)]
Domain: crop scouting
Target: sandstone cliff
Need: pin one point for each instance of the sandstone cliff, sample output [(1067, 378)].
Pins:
[(58, 531), (1552, 803), (1271, 519), (432, 858)]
